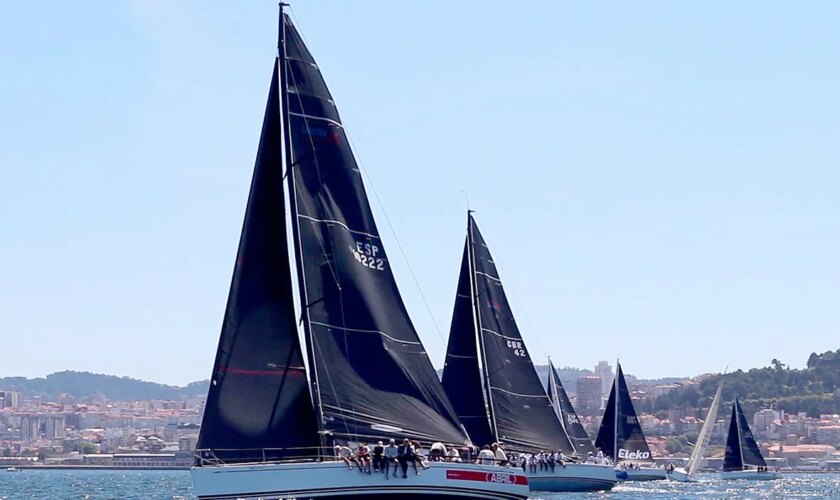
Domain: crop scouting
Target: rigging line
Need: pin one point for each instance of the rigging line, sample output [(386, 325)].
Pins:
[(396, 239)]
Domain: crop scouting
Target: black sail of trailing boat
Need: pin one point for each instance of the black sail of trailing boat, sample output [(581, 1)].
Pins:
[(566, 413), (371, 375), (620, 435), (485, 344), (462, 377), (259, 400), (741, 448)]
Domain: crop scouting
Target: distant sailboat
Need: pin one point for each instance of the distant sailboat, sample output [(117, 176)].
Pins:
[(743, 459), (620, 435), (275, 409), (492, 382), (567, 414), (696, 458)]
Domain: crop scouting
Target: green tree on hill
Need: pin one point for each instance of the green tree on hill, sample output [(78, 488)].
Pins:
[(811, 390)]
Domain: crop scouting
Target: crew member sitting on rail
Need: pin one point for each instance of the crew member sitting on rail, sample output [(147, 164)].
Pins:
[(345, 454)]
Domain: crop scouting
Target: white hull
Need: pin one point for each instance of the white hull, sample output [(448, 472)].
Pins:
[(333, 480), (751, 475), (574, 477), (681, 475), (646, 474)]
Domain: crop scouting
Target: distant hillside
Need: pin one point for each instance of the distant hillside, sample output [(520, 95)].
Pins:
[(815, 389), (81, 385)]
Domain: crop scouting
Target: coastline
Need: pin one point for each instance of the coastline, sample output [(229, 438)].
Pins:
[(100, 467)]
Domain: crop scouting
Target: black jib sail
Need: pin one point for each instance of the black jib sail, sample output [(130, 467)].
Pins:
[(520, 414), (259, 399), (567, 414), (462, 378), (741, 447), (372, 376), (620, 426)]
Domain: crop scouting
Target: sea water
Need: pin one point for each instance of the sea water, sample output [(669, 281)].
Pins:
[(175, 485)]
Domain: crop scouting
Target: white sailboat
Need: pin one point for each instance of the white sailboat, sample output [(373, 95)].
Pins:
[(276, 404), (696, 459)]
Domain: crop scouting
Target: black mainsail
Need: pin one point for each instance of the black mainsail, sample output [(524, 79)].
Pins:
[(372, 376), (485, 345), (567, 414), (368, 375), (620, 435), (741, 448)]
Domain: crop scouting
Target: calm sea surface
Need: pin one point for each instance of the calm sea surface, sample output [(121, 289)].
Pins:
[(98, 485)]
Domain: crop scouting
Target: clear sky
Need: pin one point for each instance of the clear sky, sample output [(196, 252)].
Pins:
[(657, 180)]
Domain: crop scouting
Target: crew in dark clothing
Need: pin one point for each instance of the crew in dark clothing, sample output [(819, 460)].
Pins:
[(405, 454), (378, 462)]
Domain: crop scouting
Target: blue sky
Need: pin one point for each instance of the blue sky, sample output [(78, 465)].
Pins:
[(658, 181)]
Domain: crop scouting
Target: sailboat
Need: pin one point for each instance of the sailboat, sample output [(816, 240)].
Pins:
[(696, 458), (566, 413), (743, 459), (276, 404), (620, 435), (492, 382)]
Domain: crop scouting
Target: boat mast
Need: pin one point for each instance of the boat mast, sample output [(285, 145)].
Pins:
[(482, 359), (738, 426), (292, 198), (555, 402), (615, 423)]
